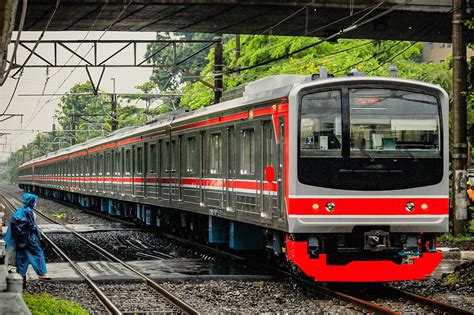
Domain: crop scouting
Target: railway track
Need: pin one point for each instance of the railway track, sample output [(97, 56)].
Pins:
[(362, 303), (170, 303)]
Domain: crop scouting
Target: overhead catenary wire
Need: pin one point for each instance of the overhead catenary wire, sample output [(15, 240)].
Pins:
[(73, 69), (32, 51), (325, 39), (17, 42)]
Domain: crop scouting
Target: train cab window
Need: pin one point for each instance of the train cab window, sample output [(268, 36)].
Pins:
[(320, 124), (390, 123), (191, 155), (128, 161), (215, 154), (151, 166), (139, 161), (247, 152)]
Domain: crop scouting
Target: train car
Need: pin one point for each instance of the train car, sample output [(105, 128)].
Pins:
[(345, 178)]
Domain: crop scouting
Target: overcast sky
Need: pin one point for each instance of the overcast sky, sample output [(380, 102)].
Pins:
[(33, 81)]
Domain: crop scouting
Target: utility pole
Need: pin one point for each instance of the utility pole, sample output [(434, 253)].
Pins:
[(218, 77), (113, 96), (459, 154)]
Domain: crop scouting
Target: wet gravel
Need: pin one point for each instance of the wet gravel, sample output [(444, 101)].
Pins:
[(77, 292), (136, 297), (232, 296), (136, 245), (456, 288), (127, 245), (76, 249)]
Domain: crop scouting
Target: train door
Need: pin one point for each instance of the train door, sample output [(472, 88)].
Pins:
[(248, 183), (138, 171), (127, 171), (151, 153), (267, 192), (281, 169), (165, 171), (101, 172), (202, 145), (109, 161), (190, 186), (230, 170), (175, 173)]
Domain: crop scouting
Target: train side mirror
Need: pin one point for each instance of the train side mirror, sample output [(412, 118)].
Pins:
[(269, 174)]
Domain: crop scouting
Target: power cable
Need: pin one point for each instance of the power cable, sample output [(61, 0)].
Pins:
[(325, 39), (32, 51), (13, 94), (393, 57), (73, 69), (17, 42)]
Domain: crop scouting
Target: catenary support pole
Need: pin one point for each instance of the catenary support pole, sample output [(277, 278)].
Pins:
[(113, 96), (218, 77), (459, 123), (237, 52)]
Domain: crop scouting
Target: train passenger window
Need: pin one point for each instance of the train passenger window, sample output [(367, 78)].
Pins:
[(164, 157), (100, 164), (139, 161), (247, 152), (215, 154), (151, 166), (117, 163), (108, 164), (128, 160), (320, 124), (191, 155), (174, 156)]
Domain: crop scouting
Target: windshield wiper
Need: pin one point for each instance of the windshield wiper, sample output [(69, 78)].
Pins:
[(410, 154), (367, 154)]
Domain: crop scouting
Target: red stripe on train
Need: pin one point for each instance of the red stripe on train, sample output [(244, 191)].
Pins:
[(368, 206)]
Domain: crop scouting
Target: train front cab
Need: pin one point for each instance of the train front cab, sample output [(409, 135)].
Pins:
[(368, 186)]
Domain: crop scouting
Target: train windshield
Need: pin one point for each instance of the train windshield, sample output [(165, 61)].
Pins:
[(382, 122), (386, 122), (370, 138)]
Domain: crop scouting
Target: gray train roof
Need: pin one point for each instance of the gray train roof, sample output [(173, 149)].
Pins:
[(265, 89)]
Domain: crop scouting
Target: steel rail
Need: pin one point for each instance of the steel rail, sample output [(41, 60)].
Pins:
[(427, 301), (102, 297), (172, 299)]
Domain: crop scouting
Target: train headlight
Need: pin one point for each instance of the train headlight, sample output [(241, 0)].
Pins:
[(330, 206), (410, 206)]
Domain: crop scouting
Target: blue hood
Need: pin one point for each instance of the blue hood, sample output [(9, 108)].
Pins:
[(29, 200)]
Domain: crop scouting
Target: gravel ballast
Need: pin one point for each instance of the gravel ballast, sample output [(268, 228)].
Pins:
[(77, 292)]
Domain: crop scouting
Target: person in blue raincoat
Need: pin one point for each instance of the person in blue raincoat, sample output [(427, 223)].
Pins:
[(23, 234)]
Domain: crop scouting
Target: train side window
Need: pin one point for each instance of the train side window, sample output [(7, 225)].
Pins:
[(117, 164), (128, 160), (191, 155), (215, 154), (151, 167), (174, 156), (139, 161), (247, 152), (108, 163), (320, 124), (164, 157), (100, 164)]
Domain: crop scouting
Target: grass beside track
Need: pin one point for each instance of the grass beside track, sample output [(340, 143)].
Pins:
[(44, 304)]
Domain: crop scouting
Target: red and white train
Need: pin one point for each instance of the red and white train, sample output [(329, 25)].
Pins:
[(347, 178)]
